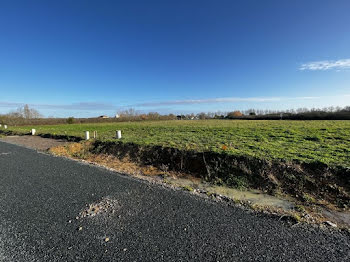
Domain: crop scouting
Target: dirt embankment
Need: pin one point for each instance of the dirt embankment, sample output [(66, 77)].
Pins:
[(310, 182)]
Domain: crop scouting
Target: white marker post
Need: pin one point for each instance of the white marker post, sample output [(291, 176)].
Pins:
[(87, 135), (5, 126), (119, 134), (33, 132)]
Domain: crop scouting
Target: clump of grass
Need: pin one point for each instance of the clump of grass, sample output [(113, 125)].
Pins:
[(297, 217), (188, 188), (308, 198), (237, 182), (300, 208), (76, 150), (209, 194), (218, 181)]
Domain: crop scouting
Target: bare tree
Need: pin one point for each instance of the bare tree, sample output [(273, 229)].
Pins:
[(27, 113), (128, 113)]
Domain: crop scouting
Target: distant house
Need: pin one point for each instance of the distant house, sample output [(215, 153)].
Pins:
[(117, 115), (103, 116)]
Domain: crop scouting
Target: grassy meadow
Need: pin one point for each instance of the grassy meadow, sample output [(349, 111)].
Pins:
[(324, 141)]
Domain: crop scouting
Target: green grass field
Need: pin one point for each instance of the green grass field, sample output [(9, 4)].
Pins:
[(324, 141)]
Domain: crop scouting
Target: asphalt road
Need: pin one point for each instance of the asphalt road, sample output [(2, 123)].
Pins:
[(39, 194)]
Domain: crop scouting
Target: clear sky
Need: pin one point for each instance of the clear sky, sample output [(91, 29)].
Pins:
[(87, 58)]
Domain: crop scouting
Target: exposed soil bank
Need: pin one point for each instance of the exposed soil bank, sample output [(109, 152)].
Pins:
[(309, 182)]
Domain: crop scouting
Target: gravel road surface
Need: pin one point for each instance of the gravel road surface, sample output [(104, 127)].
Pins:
[(42, 218)]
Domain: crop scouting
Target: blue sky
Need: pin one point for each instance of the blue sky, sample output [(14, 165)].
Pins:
[(87, 58)]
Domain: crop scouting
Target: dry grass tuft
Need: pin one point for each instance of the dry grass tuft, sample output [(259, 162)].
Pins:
[(59, 151), (125, 165), (76, 150)]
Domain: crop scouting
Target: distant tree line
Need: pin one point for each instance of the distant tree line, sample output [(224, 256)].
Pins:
[(29, 116), (327, 113)]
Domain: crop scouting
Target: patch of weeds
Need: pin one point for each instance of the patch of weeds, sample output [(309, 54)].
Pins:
[(300, 208), (188, 188), (166, 181), (219, 182), (210, 194), (238, 182), (342, 204), (236, 201), (289, 176), (296, 217), (308, 198)]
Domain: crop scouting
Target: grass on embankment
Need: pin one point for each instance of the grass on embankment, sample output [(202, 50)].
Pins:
[(325, 141)]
